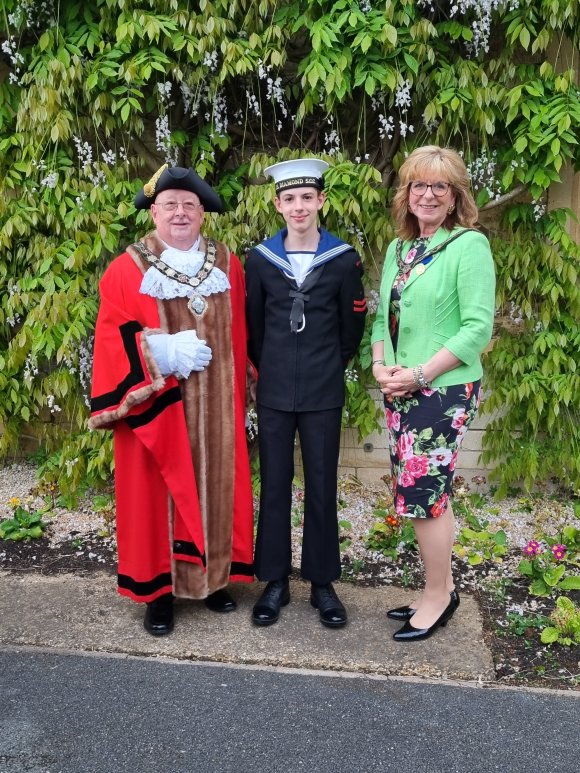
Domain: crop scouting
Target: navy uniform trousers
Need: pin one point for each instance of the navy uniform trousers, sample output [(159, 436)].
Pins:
[(319, 433)]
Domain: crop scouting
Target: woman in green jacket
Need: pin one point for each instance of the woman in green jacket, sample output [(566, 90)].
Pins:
[(434, 319)]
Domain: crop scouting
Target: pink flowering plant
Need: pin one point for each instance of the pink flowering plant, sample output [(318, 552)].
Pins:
[(551, 564)]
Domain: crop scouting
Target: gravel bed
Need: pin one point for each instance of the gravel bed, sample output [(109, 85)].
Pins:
[(522, 518)]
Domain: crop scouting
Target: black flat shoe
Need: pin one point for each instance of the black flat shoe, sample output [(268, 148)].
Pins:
[(406, 613), (159, 616), (220, 601), (266, 610), (324, 599), (408, 633)]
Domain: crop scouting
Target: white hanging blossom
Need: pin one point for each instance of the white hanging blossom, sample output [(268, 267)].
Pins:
[(403, 102), (357, 233), (405, 128), (253, 103), (515, 313), (85, 366), (386, 126), (403, 95), (481, 24), (220, 114), (9, 47), (190, 99), (210, 60), (109, 157), (33, 14), (252, 424), (69, 464), (163, 140), (84, 152), (164, 90), (482, 171), (539, 209), (52, 404), (50, 181), (331, 141), (30, 367), (274, 90), (14, 320)]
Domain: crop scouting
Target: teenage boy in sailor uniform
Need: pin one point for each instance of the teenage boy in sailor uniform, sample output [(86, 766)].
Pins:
[(306, 314)]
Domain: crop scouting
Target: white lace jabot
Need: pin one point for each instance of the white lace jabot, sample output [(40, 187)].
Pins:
[(157, 285)]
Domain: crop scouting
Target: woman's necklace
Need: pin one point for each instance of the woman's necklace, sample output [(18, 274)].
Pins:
[(414, 256)]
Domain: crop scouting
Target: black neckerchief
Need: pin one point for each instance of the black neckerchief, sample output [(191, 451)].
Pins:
[(300, 297)]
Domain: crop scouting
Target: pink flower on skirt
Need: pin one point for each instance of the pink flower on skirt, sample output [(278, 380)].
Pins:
[(406, 479), (453, 461), (459, 418), (393, 419), (405, 445), (417, 466), (400, 506)]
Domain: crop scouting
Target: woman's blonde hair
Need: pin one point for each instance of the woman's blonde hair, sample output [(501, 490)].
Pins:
[(441, 164)]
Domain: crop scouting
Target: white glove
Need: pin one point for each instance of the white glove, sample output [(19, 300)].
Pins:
[(178, 354)]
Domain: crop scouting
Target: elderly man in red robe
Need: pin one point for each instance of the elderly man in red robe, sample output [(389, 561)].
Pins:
[(169, 378)]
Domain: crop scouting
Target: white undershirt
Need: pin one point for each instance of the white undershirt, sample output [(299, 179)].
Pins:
[(300, 262)]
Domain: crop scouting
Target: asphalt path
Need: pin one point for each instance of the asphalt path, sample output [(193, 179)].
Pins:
[(74, 713)]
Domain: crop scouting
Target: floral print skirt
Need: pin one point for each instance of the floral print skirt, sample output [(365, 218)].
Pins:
[(425, 434)]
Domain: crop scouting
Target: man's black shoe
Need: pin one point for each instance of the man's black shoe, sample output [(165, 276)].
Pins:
[(159, 615), (266, 610), (220, 601), (324, 599)]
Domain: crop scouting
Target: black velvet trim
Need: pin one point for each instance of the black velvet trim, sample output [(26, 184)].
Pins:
[(188, 549), (164, 400), (238, 567), (144, 588), (135, 376)]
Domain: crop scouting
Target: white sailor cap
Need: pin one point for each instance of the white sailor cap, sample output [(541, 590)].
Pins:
[(298, 173)]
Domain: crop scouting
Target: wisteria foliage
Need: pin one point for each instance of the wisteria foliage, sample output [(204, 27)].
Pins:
[(94, 97)]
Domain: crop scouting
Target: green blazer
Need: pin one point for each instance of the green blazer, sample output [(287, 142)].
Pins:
[(451, 304)]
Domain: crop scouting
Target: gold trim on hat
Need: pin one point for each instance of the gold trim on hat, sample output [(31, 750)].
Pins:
[(149, 187)]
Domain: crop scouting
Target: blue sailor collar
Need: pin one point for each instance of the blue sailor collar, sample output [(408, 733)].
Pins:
[(274, 252)]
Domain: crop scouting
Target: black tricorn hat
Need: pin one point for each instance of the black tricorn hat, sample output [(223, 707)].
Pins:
[(181, 179)]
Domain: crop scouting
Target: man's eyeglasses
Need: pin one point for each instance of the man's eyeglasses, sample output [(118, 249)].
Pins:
[(171, 206), (437, 189)]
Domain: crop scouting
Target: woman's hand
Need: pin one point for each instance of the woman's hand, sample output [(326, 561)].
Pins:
[(395, 380)]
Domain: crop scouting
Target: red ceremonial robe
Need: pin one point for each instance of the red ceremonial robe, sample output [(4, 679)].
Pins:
[(182, 476)]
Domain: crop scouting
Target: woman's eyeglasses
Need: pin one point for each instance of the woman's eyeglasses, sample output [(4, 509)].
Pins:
[(171, 206), (437, 189)]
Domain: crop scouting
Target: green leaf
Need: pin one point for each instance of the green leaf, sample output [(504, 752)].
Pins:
[(553, 576), (525, 38), (570, 583), (539, 588), (549, 635)]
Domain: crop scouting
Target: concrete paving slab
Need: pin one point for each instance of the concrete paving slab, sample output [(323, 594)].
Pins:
[(84, 612)]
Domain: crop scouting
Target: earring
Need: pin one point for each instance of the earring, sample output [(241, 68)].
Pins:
[(451, 209)]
